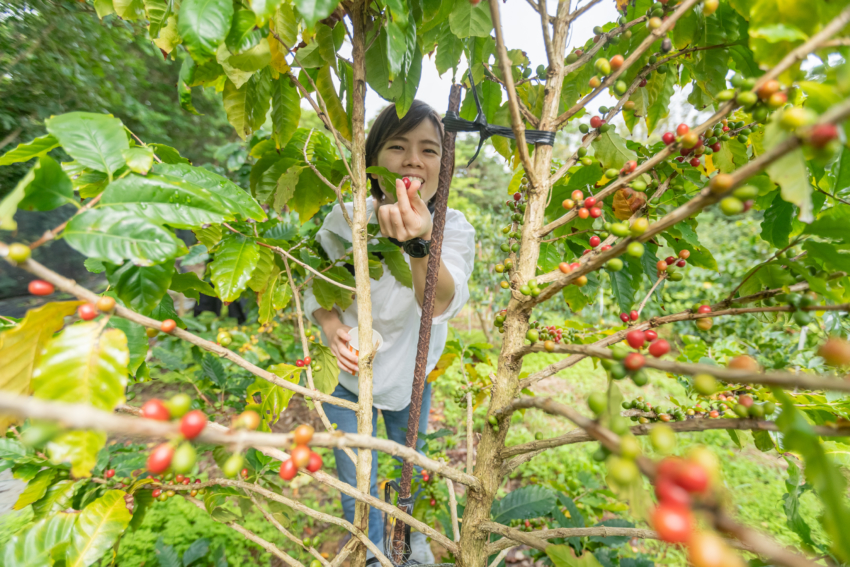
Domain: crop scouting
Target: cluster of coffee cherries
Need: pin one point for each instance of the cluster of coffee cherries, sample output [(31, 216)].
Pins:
[(118, 482), (799, 301), (665, 415), (738, 402), (166, 326), (460, 393), (672, 264), (677, 483), (589, 207), (301, 456), (307, 361), (549, 334), (513, 231), (163, 494), (760, 102), (180, 458), (626, 362), (697, 145)]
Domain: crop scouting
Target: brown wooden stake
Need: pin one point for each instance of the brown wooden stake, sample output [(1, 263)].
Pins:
[(445, 182)]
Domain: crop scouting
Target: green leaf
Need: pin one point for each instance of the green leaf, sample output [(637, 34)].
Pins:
[(141, 288), (285, 186), (314, 10), (792, 505), (158, 12), (285, 24), (763, 441), (562, 556), (246, 106), (34, 546), (831, 223), (821, 472), (209, 236), (165, 199), (326, 379), (776, 226), (94, 140), (129, 10), (9, 204), (214, 370), (264, 267), (165, 554), (83, 364), (659, 91), (624, 284), (203, 25), (336, 112), (197, 550), (732, 155), (79, 448), (233, 265), (58, 497), (274, 296), (328, 294), (310, 194), (167, 154), (239, 37), (22, 345), (467, 20), (236, 199), (140, 158), (790, 173), (165, 310), (523, 503), (36, 488), (115, 236), (286, 110), (184, 91), (253, 59), (832, 258), (386, 178), (611, 150), (449, 50), (98, 528), (137, 341), (399, 268), (25, 152), (190, 285), (50, 188), (274, 399)]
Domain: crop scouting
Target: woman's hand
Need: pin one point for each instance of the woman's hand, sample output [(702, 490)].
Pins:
[(408, 217), (338, 336)]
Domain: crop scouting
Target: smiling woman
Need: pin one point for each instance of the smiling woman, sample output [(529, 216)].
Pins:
[(411, 148)]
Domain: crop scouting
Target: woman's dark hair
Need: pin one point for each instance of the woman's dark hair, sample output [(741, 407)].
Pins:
[(388, 126)]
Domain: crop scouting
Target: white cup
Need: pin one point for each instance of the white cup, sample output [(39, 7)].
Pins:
[(354, 343)]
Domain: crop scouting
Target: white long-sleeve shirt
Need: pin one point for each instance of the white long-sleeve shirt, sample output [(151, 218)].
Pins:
[(396, 313)]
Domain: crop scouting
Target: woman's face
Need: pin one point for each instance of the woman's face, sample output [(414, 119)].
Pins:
[(416, 155)]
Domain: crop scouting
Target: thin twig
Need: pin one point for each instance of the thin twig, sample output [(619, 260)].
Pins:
[(289, 535), (51, 234), (453, 509), (760, 266), (305, 349), (337, 190), (831, 196), (660, 279)]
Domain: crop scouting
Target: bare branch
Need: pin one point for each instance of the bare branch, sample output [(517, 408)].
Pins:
[(653, 36), (305, 348), (512, 534), (657, 322), (83, 416), (70, 287), (453, 509), (516, 117), (596, 259), (782, 379)]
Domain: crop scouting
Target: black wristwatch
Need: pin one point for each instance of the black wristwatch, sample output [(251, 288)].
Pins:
[(415, 248)]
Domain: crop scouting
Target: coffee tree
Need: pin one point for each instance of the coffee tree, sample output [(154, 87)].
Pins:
[(769, 81)]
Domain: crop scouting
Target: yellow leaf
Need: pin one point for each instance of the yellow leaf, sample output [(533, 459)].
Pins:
[(278, 62), (443, 364), (21, 346), (709, 166), (168, 37)]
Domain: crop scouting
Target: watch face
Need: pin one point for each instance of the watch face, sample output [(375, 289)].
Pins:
[(417, 248)]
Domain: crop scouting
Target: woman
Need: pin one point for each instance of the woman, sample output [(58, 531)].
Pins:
[(410, 147)]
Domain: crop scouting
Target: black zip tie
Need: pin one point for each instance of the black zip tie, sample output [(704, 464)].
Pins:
[(454, 123)]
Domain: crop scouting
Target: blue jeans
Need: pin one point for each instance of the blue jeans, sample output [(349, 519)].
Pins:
[(396, 425)]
